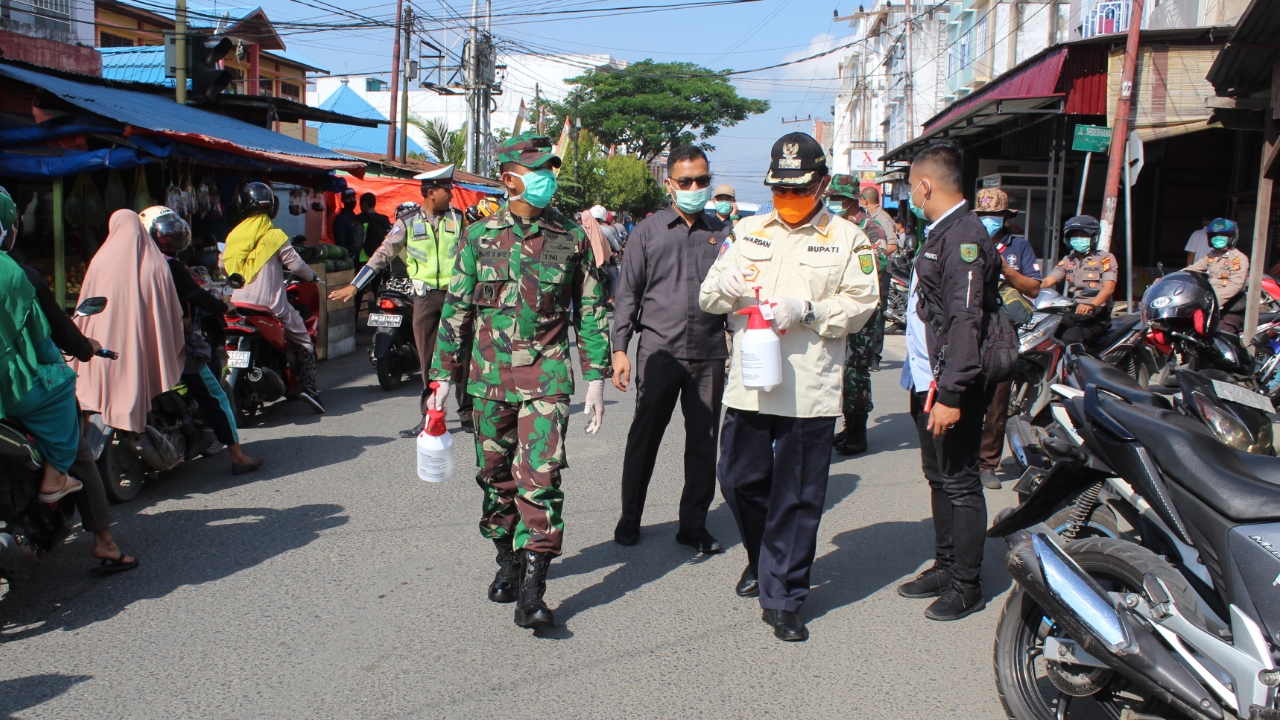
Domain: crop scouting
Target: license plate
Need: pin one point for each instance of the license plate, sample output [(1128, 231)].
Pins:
[(238, 358), (1242, 395), (379, 320)]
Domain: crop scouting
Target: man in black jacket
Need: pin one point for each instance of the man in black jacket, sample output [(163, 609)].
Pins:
[(952, 290), (376, 226), (347, 231)]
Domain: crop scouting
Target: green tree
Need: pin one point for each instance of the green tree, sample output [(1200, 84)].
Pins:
[(629, 186), (650, 107), (448, 147), (581, 174)]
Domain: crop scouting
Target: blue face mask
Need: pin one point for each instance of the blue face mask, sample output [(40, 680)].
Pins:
[(539, 188), (724, 207), (911, 203), (836, 206), (992, 223), (693, 201)]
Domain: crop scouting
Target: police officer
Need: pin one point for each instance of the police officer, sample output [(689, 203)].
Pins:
[(775, 448), (856, 404), (1227, 270), (429, 240), (1091, 280), (522, 278)]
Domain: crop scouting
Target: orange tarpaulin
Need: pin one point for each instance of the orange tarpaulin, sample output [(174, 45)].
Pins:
[(393, 191)]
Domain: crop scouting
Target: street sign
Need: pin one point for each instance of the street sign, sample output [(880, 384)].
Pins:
[(866, 159), (1135, 157), (1091, 138)]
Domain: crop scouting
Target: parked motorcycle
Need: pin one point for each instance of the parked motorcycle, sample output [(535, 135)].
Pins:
[(394, 353), (895, 305), (28, 527), (261, 366), (1183, 313), (1165, 608)]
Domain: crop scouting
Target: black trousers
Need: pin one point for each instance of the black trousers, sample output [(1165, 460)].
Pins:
[(1085, 329), (950, 464), (92, 500), (426, 322), (660, 379), (773, 474)]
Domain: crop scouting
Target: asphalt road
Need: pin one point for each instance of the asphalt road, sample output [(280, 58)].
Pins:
[(335, 584)]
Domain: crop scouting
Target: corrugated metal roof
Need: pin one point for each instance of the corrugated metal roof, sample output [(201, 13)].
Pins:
[(349, 137), (143, 64), (157, 115), (1036, 78), (1245, 65)]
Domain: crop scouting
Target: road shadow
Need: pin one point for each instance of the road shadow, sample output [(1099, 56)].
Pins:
[(891, 431), (22, 693), (338, 402), (214, 544)]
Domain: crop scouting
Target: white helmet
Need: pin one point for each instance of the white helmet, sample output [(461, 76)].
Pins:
[(599, 213)]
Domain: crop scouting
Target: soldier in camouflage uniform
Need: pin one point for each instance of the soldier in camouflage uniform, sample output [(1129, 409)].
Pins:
[(860, 347), (522, 278)]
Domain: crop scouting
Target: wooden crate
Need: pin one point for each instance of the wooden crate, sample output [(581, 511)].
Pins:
[(336, 333)]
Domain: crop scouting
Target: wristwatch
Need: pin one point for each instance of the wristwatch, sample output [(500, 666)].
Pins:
[(807, 317)]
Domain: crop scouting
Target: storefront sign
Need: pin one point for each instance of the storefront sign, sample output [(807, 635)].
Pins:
[(1091, 138)]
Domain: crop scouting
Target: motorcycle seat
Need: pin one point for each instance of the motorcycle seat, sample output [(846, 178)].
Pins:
[(251, 309), (1120, 326), (1265, 318), (1189, 454), (1092, 371)]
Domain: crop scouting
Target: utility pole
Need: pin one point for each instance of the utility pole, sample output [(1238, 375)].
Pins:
[(1120, 133), (537, 105), (404, 86), (473, 79), (395, 83), (180, 53), (907, 89)]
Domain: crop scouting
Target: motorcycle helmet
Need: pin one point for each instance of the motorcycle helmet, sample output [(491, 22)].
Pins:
[(1181, 301), (1223, 227), (167, 228), (348, 197), (256, 198), (407, 208), (1078, 226)]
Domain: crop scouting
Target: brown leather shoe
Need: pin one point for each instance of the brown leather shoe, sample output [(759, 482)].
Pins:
[(244, 468)]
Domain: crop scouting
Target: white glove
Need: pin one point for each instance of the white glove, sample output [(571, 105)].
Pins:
[(786, 312), (731, 283), (594, 407), (439, 396)]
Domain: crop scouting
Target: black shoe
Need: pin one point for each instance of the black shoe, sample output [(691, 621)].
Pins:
[(505, 587), (875, 366), (626, 534), (312, 398), (786, 625), (956, 602), (468, 426), (927, 584), (412, 432), (989, 480), (700, 541), (531, 612), (748, 585), (855, 439)]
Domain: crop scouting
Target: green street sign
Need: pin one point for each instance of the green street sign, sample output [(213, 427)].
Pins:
[(1091, 138)]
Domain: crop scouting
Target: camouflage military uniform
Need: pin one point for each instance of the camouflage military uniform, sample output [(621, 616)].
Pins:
[(860, 347), (510, 300)]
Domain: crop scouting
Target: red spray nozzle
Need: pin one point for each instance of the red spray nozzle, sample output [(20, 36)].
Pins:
[(755, 318), (435, 423)]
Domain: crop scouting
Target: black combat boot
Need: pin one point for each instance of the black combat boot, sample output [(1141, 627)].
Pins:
[(307, 372), (855, 439), (531, 612), (506, 582)]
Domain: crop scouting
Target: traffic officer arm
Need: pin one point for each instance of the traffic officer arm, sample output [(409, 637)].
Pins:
[(458, 316), (591, 321), (1055, 276), (381, 258)]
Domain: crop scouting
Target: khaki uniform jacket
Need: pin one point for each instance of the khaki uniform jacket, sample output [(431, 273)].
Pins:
[(829, 262), (1227, 271)]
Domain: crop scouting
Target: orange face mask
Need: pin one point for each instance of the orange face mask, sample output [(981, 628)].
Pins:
[(794, 208)]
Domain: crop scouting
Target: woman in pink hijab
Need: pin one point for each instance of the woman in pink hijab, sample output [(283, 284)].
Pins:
[(142, 322)]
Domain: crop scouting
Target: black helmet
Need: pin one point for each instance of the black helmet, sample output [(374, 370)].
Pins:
[(170, 231), (1223, 226), (1182, 301), (407, 208), (348, 196), (1081, 224), (256, 198)]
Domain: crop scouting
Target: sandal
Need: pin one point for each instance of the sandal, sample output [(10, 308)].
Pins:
[(109, 566), (69, 486)]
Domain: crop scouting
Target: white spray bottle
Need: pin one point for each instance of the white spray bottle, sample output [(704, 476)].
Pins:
[(759, 352), (435, 448)]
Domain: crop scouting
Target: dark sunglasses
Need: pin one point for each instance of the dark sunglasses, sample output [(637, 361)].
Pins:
[(699, 182), (805, 191)]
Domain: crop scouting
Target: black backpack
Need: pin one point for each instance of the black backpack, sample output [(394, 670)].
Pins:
[(1000, 343)]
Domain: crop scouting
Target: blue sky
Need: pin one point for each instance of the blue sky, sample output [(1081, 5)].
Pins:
[(744, 36)]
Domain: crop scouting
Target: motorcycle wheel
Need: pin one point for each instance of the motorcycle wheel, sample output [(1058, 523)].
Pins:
[(122, 472), (389, 374), (1033, 688)]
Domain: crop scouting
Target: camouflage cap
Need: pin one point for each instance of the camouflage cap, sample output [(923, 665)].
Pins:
[(530, 150), (843, 186), (993, 200)]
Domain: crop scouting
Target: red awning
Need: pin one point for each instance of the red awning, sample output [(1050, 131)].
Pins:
[(1038, 78)]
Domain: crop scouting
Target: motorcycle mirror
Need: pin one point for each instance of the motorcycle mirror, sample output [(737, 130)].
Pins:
[(235, 280), (91, 306), (1160, 269)]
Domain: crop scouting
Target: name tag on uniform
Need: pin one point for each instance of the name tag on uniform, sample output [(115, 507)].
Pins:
[(931, 256), (822, 249), (762, 242), (492, 254), (557, 249)]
